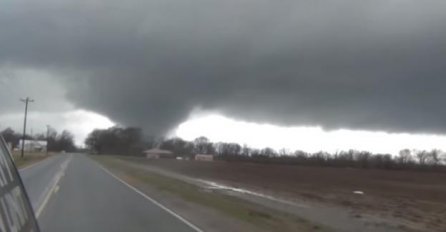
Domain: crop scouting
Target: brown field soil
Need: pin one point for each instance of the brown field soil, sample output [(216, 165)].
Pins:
[(416, 199)]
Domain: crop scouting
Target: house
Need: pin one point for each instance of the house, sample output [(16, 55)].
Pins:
[(34, 145), (204, 157), (157, 153)]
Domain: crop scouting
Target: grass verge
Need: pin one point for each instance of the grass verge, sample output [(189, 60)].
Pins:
[(262, 217), (28, 158)]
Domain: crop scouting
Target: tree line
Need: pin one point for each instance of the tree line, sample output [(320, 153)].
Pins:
[(406, 159), (130, 141), (57, 142), (116, 140)]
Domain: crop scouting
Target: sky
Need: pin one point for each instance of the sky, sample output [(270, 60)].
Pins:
[(304, 138), (372, 66)]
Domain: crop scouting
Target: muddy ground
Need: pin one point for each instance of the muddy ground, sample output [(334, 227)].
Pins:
[(410, 199)]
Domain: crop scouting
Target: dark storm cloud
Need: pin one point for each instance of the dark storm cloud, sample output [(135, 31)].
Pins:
[(47, 91), (339, 64)]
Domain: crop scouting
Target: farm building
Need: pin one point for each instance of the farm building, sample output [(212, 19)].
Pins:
[(157, 153), (203, 157)]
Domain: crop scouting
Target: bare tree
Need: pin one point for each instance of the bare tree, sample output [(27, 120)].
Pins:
[(200, 145), (268, 152), (434, 157), (203, 146), (422, 157), (363, 158), (284, 152), (405, 156), (115, 140), (177, 146), (301, 155), (246, 151)]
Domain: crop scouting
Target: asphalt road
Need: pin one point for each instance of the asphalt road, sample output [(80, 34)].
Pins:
[(70, 192)]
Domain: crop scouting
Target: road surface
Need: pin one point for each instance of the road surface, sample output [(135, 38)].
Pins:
[(70, 192)]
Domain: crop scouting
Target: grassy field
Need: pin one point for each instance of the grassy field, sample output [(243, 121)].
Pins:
[(265, 218), (28, 158), (413, 199)]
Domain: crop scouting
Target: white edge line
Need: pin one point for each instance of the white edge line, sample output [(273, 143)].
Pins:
[(152, 200), (47, 198), (55, 185)]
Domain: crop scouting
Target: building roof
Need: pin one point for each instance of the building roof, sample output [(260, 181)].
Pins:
[(34, 142)]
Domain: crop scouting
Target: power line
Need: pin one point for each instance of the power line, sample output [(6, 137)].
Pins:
[(26, 101)]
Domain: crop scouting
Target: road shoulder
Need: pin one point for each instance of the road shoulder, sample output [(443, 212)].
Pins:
[(210, 210), (29, 159)]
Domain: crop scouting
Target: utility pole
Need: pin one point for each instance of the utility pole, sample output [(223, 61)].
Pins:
[(26, 101), (47, 137)]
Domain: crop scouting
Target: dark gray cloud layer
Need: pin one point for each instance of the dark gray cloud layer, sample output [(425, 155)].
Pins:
[(340, 64), (47, 91)]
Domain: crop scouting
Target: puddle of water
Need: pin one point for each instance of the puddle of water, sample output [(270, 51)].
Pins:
[(217, 186)]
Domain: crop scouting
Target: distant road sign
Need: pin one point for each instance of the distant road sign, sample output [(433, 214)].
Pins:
[(16, 213)]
